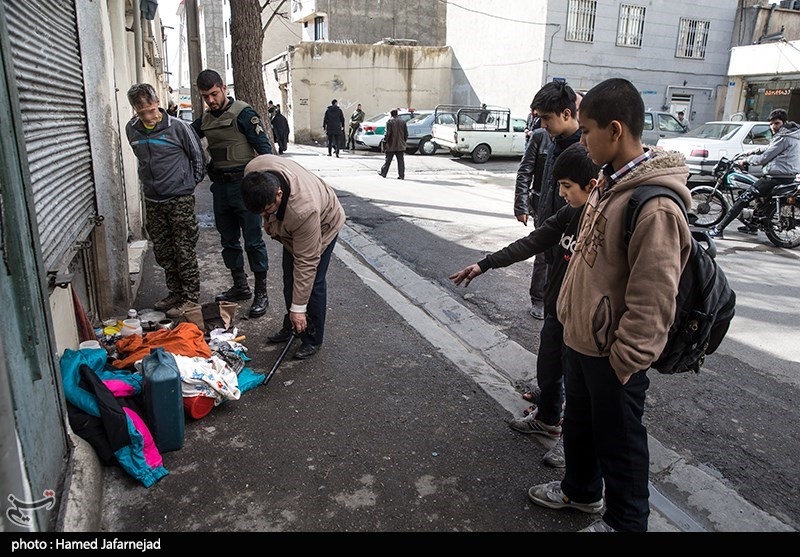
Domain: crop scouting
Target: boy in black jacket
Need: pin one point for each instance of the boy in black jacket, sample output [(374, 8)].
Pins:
[(576, 175)]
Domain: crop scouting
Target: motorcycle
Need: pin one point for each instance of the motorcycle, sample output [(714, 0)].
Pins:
[(777, 214)]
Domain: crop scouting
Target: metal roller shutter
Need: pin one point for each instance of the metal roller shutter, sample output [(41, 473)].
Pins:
[(49, 77)]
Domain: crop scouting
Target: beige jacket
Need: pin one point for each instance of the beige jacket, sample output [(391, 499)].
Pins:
[(619, 301), (311, 221)]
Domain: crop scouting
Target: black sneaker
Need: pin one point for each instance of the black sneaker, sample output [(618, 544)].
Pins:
[(748, 230), (281, 336), (714, 232)]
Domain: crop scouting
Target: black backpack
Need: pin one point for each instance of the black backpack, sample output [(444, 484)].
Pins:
[(705, 300)]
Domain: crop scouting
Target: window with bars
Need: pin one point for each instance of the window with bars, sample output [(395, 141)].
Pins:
[(319, 28), (692, 38), (631, 25), (581, 15)]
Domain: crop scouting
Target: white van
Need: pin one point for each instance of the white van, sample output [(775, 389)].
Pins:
[(479, 131)]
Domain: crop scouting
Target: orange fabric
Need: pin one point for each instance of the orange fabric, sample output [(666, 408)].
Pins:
[(186, 339)]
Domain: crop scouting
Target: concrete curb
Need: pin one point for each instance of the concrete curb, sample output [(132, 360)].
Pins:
[(683, 497)]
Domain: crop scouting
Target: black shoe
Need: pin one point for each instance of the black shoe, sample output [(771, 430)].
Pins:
[(306, 350), (234, 294), (748, 230), (401, 177), (281, 336), (381, 174), (260, 304), (714, 232)]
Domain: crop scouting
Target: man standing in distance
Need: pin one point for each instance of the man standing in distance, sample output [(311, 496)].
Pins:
[(395, 145), (170, 167), (235, 135), (333, 124), (355, 120)]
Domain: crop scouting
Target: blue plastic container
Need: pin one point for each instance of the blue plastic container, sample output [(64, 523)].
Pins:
[(163, 399)]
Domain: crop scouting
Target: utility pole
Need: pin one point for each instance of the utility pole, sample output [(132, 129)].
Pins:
[(194, 53)]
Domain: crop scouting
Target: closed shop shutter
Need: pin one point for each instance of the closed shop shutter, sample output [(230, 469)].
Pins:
[(47, 67)]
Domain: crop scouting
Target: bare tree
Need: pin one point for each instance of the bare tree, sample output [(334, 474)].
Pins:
[(246, 39), (247, 36)]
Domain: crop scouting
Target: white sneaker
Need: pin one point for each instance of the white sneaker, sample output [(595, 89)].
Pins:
[(598, 526), (555, 456)]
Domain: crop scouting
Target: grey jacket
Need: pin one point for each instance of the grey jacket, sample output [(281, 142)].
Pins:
[(170, 158), (782, 155)]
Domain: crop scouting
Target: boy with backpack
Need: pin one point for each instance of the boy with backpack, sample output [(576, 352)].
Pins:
[(575, 175), (617, 304)]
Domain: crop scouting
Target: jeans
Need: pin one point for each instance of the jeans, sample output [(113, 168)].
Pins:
[(605, 441), (317, 303)]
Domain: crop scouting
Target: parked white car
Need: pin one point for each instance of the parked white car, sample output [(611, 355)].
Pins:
[(660, 125), (705, 145), (371, 131), (478, 131)]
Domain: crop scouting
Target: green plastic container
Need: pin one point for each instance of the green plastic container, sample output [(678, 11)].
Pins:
[(163, 399)]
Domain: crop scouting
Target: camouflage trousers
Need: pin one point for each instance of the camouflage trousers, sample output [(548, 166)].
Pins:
[(172, 227)]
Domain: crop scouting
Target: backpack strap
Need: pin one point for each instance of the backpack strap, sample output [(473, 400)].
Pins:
[(640, 196)]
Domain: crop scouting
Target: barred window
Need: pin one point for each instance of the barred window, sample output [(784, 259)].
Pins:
[(692, 39), (581, 16), (631, 25)]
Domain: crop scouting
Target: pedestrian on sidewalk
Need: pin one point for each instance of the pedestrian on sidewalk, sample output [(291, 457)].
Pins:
[(171, 164), (394, 145), (527, 190), (576, 176), (280, 129), (302, 212), (333, 124), (235, 134), (556, 104), (617, 303), (355, 121)]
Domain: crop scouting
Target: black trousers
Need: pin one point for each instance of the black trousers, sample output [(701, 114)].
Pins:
[(317, 303), (401, 163)]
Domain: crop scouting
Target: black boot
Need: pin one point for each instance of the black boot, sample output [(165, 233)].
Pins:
[(239, 291), (260, 298)]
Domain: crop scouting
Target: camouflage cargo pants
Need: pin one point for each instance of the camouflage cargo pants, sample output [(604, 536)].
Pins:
[(172, 227)]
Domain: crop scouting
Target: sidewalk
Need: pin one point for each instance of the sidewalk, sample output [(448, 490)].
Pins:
[(396, 425)]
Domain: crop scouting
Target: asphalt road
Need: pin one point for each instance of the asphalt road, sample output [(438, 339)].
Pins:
[(398, 424)]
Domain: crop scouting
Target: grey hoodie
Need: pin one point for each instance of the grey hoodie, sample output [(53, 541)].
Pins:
[(782, 155)]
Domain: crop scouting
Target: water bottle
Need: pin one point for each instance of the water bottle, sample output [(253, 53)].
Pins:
[(163, 399)]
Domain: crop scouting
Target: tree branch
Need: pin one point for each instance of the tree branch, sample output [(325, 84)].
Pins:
[(264, 29)]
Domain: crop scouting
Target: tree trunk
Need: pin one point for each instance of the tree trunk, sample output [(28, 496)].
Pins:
[(246, 40)]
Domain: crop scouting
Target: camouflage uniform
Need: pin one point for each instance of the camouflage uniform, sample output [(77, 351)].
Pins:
[(172, 227)]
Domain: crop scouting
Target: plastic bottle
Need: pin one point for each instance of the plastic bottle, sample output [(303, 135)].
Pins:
[(163, 399)]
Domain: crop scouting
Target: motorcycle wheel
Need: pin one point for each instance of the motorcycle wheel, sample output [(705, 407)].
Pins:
[(783, 224), (708, 206)]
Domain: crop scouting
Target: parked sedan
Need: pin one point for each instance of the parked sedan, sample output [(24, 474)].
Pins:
[(705, 145), (371, 131)]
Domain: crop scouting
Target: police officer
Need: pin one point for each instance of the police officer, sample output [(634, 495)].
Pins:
[(235, 135)]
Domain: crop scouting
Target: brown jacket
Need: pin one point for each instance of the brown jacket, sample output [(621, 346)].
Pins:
[(619, 301), (310, 222), (396, 135)]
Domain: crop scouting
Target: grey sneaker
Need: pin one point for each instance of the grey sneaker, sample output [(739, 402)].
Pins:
[(550, 495), (182, 308), (598, 526), (530, 424), (555, 456)]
